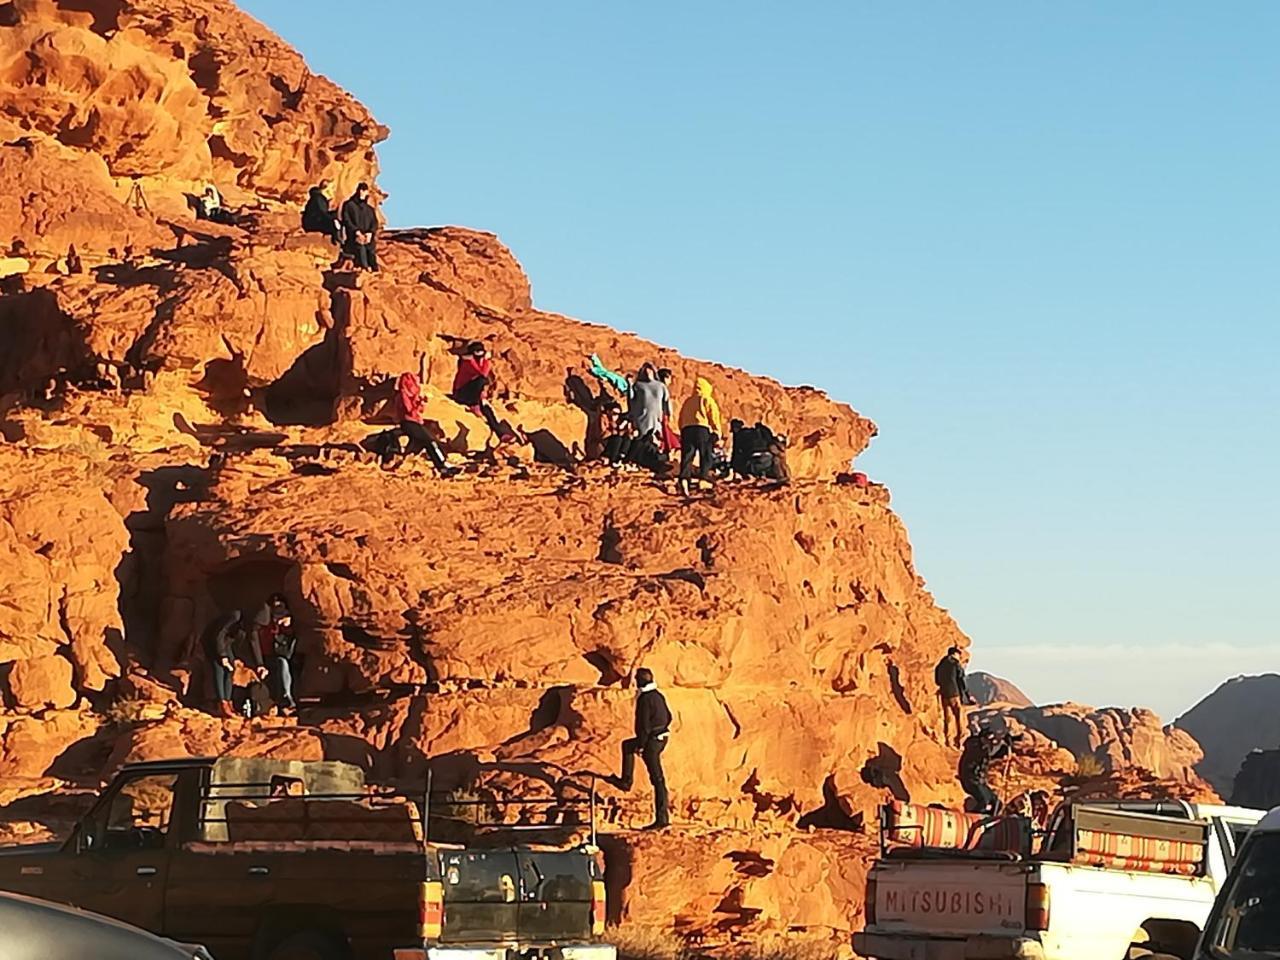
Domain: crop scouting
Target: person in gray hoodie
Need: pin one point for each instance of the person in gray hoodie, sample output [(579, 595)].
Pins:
[(650, 402)]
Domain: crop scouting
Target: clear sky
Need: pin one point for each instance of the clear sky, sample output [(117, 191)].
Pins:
[(1037, 242)]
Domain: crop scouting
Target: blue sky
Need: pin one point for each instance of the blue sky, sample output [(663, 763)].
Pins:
[(1036, 242)]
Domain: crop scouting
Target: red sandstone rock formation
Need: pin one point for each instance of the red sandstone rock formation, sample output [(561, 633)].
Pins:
[(181, 430), (989, 689)]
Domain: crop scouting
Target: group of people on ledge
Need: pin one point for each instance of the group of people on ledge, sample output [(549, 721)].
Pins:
[(264, 640), (637, 436)]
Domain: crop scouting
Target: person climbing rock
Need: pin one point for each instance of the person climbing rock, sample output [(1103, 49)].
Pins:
[(221, 637), (360, 227), (953, 693), (650, 401), (699, 427), (209, 207), (653, 730), (409, 403), (982, 749), (472, 383), (318, 215)]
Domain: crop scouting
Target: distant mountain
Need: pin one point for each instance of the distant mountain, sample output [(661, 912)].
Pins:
[(988, 689), (1237, 718), (1258, 782)]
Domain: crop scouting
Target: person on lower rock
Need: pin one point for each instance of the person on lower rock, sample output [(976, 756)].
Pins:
[(279, 657), (653, 730), (471, 386), (699, 428), (221, 637), (409, 403), (981, 749)]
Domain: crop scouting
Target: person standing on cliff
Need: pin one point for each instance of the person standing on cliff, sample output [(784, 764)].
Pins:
[(699, 427), (650, 400), (653, 730), (318, 216), (360, 224), (952, 694)]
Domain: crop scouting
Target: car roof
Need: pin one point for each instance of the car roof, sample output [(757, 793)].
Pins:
[(1269, 823), (176, 763), (62, 921), (1225, 812)]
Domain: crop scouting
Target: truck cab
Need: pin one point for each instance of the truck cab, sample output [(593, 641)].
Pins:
[(1245, 922), (263, 859)]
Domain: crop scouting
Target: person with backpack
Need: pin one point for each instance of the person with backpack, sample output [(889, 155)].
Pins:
[(318, 216), (221, 637), (360, 228), (653, 730), (472, 383), (408, 408), (982, 749), (699, 429), (948, 675)]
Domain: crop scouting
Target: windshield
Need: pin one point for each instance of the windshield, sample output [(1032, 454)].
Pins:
[(1247, 922)]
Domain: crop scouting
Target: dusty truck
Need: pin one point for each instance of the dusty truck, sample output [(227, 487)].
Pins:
[(279, 860), (1103, 881)]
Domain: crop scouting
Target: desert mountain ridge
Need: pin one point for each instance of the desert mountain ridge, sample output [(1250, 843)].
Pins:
[(185, 407)]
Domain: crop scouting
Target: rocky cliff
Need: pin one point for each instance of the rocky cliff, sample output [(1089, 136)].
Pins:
[(184, 408), (1236, 719)]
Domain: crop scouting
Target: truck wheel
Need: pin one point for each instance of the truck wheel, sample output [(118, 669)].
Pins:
[(308, 945)]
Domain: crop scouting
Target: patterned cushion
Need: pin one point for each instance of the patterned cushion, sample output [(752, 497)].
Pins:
[(915, 825), (302, 819), (1124, 851)]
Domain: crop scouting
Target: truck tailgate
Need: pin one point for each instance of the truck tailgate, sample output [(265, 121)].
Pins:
[(952, 898)]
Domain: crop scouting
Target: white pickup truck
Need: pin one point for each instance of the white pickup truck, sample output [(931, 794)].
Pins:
[(1104, 881)]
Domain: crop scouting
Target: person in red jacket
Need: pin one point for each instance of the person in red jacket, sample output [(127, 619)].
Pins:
[(471, 385), (409, 405)]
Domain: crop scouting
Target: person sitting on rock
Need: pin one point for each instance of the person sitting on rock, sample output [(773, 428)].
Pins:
[(318, 215), (360, 228), (266, 623), (209, 207), (617, 446), (471, 386), (409, 404), (653, 730), (221, 637), (699, 429), (758, 453)]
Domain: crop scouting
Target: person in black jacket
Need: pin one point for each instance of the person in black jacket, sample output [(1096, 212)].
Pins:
[(653, 729), (318, 216), (980, 751), (360, 226), (952, 692)]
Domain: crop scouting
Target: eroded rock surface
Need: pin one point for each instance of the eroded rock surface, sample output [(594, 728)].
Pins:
[(184, 405)]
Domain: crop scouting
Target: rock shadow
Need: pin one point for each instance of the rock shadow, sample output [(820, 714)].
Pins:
[(884, 770)]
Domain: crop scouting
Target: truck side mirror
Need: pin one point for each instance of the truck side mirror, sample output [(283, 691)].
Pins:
[(84, 839)]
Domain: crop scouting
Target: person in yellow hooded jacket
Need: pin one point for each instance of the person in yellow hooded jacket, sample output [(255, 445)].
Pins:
[(699, 426)]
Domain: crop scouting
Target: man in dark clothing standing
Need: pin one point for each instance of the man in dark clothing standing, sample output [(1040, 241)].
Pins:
[(653, 728), (980, 751), (318, 216), (360, 224), (952, 692)]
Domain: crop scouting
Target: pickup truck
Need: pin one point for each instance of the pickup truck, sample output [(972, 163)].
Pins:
[(1103, 881), (263, 859), (1245, 923)]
